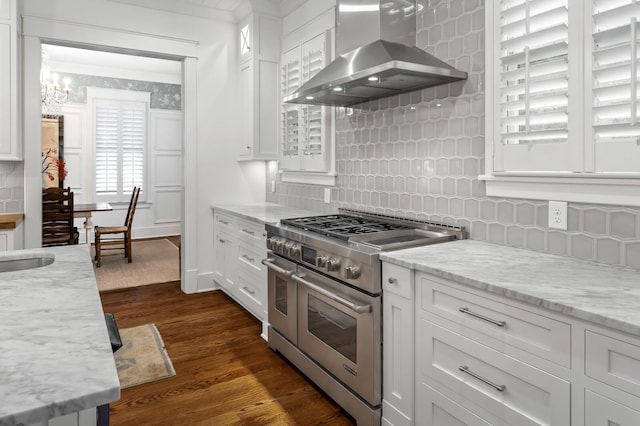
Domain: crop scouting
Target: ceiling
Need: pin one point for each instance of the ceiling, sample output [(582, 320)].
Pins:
[(228, 10)]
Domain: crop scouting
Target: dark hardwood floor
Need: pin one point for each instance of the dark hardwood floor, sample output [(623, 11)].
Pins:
[(225, 373)]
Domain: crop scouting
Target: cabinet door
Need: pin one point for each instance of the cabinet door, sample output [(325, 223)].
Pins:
[(397, 352), (8, 131), (5, 9), (224, 259), (601, 411), (247, 108)]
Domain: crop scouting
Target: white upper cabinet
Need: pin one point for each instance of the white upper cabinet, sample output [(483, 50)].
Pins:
[(259, 49), (562, 100), (9, 110)]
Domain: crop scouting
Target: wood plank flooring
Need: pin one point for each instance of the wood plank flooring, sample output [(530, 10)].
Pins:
[(225, 373)]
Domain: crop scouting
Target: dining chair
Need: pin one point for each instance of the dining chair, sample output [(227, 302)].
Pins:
[(118, 243), (57, 217)]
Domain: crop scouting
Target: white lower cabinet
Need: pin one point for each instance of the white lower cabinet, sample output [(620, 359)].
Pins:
[(397, 347), (601, 411), (457, 355), (239, 247), (11, 239)]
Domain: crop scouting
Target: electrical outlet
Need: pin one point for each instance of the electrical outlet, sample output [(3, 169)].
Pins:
[(558, 215), (327, 195)]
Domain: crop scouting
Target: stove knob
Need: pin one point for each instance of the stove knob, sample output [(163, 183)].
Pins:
[(295, 251), (277, 244), (352, 272), (271, 243), (321, 261), (288, 246), (333, 264)]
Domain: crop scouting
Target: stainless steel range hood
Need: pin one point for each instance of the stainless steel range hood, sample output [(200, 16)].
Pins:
[(378, 57)]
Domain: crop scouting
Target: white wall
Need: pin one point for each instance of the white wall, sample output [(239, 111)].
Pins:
[(219, 177)]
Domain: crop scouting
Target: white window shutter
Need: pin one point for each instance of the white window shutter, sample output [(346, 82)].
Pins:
[(107, 129), (532, 108), (120, 140), (614, 73)]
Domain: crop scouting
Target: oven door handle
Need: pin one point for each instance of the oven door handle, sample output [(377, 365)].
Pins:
[(360, 309), (269, 264)]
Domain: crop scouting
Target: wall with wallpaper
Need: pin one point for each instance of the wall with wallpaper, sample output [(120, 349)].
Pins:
[(419, 155)]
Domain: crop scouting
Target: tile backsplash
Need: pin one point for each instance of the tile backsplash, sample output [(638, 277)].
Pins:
[(420, 154), (11, 187)]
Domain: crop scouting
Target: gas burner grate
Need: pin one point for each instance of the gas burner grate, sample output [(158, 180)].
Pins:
[(342, 226)]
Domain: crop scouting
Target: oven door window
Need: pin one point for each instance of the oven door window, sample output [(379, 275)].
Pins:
[(333, 327), (281, 295)]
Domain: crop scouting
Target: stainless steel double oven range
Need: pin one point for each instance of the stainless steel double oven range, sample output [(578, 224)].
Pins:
[(325, 298)]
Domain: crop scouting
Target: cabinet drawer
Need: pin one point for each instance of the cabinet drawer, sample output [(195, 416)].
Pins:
[(613, 361), (505, 387), (251, 232), (397, 279), (601, 411), (433, 408), (251, 292), (223, 221), (478, 316), (249, 258)]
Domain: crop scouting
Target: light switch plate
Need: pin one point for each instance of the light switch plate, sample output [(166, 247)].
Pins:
[(327, 195), (558, 215)]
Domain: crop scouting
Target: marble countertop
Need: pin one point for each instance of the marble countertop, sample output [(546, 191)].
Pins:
[(55, 353), (602, 294), (264, 212)]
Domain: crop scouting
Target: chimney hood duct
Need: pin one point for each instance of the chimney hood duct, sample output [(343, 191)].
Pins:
[(378, 57)]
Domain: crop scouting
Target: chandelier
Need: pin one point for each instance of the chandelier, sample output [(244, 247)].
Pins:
[(53, 96)]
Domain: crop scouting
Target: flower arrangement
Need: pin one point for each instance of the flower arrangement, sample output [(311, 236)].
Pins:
[(53, 166)]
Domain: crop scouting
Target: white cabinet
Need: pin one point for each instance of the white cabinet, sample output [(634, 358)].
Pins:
[(306, 132), (11, 239), (10, 149), (240, 246), (601, 411), (224, 249), (258, 61), (397, 346)]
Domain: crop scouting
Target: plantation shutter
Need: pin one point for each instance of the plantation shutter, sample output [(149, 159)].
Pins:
[(531, 130), (290, 114), (133, 142), (107, 141), (120, 139), (616, 119)]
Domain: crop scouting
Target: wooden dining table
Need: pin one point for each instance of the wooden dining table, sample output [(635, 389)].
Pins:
[(86, 210)]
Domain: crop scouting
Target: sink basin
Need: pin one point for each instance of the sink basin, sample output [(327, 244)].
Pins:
[(21, 264)]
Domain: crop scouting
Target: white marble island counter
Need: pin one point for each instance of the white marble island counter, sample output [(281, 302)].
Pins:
[(264, 212), (598, 293), (55, 353)]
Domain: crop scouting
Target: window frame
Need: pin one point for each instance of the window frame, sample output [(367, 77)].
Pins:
[(583, 185), (94, 96)]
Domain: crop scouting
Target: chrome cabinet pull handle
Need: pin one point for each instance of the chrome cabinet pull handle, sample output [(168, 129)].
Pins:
[(222, 241), (482, 317), (224, 222), (392, 280), (269, 264), (465, 369), (251, 292), (360, 309), (250, 259), (247, 231)]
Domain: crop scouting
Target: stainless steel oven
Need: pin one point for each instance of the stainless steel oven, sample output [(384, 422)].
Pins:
[(340, 326), (325, 299)]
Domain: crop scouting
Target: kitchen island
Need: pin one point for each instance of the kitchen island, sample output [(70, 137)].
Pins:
[(55, 352)]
